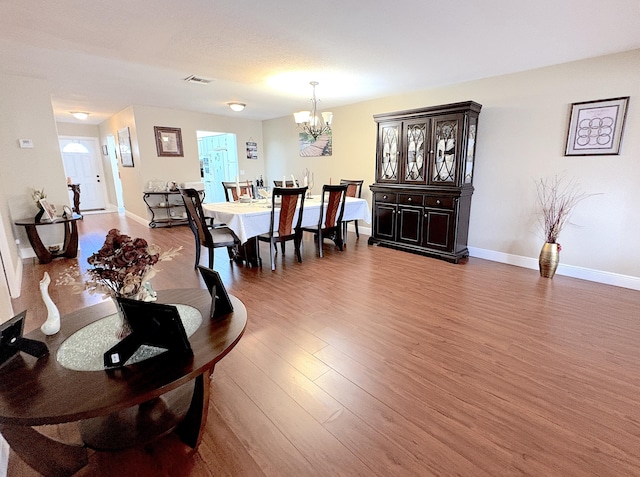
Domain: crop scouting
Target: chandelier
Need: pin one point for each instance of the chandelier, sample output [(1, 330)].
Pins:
[(309, 122)]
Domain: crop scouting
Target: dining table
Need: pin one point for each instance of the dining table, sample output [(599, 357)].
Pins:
[(248, 219)]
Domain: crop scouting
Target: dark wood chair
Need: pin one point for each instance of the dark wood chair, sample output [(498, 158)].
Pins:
[(288, 183), (285, 229), (206, 235), (230, 187), (354, 189), (330, 221)]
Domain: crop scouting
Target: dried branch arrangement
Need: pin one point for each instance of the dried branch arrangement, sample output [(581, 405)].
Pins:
[(557, 198)]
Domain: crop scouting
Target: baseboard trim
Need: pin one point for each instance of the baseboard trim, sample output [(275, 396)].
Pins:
[(607, 278), (137, 218)]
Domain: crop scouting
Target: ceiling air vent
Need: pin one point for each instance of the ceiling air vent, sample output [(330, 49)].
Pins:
[(196, 79)]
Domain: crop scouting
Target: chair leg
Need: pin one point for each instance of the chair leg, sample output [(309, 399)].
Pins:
[(320, 243), (272, 247), (282, 247), (258, 252), (339, 241), (355, 222), (197, 256), (297, 241), (211, 254)]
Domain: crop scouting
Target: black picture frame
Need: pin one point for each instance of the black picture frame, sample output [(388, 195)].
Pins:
[(152, 324), (220, 301), (596, 127), (12, 341)]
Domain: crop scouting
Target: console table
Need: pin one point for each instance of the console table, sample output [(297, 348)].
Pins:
[(118, 408), (70, 246)]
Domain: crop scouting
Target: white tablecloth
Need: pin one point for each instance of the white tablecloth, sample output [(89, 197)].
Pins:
[(250, 219)]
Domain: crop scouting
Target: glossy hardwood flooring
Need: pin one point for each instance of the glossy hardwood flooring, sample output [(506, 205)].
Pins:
[(378, 362)]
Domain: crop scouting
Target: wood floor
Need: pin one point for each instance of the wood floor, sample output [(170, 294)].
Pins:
[(375, 362)]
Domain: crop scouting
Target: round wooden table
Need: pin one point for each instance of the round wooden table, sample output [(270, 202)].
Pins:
[(115, 408)]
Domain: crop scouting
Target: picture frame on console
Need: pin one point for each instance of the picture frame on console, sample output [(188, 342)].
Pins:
[(596, 127), (49, 210)]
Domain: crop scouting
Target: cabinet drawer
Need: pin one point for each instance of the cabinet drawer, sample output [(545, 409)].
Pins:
[(410, 199), (386, 197), (439, 202)]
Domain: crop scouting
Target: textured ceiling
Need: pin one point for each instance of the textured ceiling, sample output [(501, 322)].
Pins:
[(104, 56)]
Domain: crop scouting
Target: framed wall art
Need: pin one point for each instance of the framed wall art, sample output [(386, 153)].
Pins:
[(168, 141), (595, 127), (124, 144)]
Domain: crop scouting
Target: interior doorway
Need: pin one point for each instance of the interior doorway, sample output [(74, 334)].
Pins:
[(218, 154), (82, 166)]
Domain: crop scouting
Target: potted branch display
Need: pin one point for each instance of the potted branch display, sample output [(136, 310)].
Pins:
[(557, 198)]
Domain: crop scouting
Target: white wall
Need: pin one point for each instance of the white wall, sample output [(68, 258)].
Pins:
[(521, 137), (26, 113)]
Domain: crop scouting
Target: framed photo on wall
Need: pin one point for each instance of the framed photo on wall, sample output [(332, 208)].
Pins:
[(595, 127), (168, 141), (124, 144)]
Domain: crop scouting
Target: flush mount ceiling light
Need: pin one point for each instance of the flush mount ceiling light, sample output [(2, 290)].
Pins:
[(236, 106), (79, 115), (309, 122)]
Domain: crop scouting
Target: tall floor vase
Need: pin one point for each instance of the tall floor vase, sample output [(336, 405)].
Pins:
[(549, 259)]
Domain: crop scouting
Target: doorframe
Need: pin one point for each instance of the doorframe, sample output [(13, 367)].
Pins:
[(97, 159)]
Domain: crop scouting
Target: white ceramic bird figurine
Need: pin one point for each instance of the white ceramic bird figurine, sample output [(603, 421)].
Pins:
[(52, 325)]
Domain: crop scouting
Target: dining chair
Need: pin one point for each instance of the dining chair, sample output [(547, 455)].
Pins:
[(230, 186), (330, 221), (206, 235), (354, 189), (288, 183), (288, 199)]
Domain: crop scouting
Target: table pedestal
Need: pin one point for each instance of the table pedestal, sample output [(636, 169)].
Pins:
[(70, 246)]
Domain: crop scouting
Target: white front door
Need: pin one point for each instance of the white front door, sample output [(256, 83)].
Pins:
[(83, 166)]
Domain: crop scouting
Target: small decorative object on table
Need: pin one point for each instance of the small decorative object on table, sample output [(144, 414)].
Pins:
[(557, 198), (37, 195), (307, 181), (123, 268), (52, 325)]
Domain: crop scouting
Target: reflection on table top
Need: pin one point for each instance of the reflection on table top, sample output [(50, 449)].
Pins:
[(248, 219)]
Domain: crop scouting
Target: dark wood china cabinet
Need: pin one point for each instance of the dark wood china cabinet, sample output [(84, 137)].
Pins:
[(424, 179)]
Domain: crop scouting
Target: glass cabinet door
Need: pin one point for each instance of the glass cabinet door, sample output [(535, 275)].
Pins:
[(389, 152), (415, 164), (445, 141), (471, 151)]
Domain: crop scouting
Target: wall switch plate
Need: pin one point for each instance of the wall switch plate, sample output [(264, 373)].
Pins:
[(25, 143)]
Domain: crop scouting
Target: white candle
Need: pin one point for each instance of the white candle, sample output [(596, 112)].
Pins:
[(305, 182), (284, 181), (293, 181), (237, 188)]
